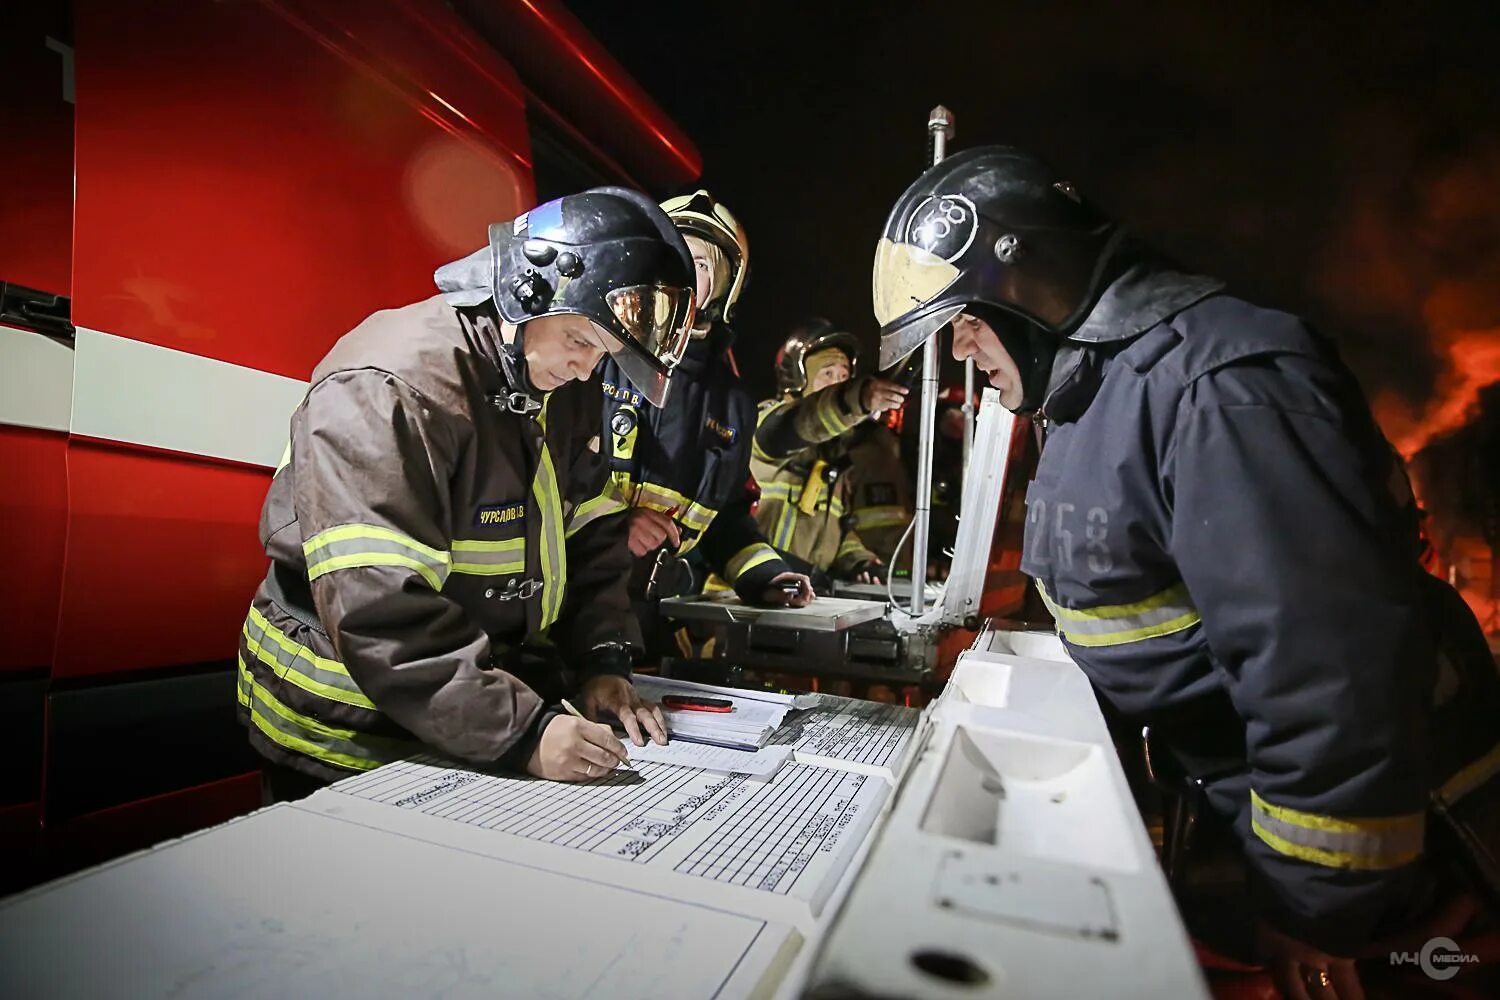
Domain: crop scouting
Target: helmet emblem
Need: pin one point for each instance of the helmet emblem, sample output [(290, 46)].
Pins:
[(943, 225)]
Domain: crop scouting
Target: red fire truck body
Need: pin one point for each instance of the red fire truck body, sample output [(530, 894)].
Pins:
[(199, 198)]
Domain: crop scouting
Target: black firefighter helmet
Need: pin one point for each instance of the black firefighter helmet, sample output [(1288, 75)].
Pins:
[(997, 233), (808, 338), (608, 254)]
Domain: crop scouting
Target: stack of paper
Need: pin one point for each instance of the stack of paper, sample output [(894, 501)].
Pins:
[(685, 753), (755, 716)]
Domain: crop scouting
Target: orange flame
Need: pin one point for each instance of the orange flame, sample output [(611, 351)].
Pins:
[(1473, 364)]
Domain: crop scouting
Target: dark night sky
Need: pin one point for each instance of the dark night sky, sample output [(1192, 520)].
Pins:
[(1342, 162)]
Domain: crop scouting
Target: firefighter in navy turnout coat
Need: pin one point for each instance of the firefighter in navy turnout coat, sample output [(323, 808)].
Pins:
[(681, 471), (1225, 541), (429, 582)]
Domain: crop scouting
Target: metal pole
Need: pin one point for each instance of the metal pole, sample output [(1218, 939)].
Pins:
[(968, 414), (940, 128)]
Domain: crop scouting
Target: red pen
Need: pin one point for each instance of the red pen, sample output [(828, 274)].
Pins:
[(694, 704)]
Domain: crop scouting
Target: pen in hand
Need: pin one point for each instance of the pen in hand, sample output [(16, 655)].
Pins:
[(568, 706)]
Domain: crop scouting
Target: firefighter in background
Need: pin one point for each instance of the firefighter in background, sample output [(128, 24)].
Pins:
[(429, 582), (833, 496), (1216, 525), (681, 472)]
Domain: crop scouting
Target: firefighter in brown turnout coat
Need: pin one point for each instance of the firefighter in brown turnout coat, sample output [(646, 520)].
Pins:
[(834, 498), (426, 585)]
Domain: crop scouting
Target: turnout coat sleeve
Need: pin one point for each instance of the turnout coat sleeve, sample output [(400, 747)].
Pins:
[(374, 458), (1292, 550), (803, 423), (737, 549)]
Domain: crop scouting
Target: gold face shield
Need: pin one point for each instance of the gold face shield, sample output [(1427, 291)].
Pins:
[(907, 278), (657, 322)]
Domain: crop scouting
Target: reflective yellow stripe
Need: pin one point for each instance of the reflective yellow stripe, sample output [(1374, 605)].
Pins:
[(1116, 624), (825, 409), (593, 509), (746, 559), (297, 732), (879, 517), (346, 532), (622, 492), (850, 545), (489, 558), (352, 546), (654, 496), (1366, 844), (756, 451), (301, 666), (1471, 777), (553, 540), (830, 414), (286, 459), (243, 682)]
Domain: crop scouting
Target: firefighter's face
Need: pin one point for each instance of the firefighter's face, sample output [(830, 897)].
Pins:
[(703, 268), (832, 373), (973, 338), (562, 348)]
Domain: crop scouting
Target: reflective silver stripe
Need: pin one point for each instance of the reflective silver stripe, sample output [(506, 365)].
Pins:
[(351, 546), (343, 748), (553, 540), (296, 664), (1169, 611), (1367, 844), (489, 558)]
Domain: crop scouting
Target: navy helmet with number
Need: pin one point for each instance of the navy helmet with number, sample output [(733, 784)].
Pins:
[(993, 228)]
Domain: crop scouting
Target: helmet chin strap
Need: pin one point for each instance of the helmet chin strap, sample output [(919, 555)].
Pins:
[(524, 397)]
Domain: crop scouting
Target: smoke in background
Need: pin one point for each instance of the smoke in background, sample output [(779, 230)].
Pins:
[(1419, 250)]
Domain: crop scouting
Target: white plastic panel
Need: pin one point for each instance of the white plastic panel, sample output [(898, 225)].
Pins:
[(36, 380), (126, 390)]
